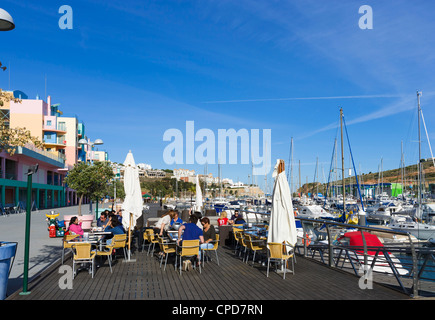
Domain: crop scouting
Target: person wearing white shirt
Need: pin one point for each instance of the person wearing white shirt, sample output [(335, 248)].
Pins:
[(163, 224)]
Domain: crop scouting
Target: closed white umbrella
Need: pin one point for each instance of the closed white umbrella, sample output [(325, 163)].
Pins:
[(282, 225), (198, 199), (132, 205)]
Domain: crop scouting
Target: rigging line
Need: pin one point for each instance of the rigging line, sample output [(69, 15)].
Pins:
[(356, 176), (427, 136), (330, 170), (330, 167)]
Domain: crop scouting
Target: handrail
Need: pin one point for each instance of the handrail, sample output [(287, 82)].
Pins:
[(331, 246), (257, 213)]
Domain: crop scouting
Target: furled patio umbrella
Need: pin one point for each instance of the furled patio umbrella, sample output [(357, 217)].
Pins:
[(198, 199), (132, 205), (282, 225)]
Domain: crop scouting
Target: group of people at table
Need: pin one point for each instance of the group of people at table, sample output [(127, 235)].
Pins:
[(197, 227), (109, 221)]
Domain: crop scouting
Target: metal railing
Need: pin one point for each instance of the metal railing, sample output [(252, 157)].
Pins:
[(413, 273), (335, 251)]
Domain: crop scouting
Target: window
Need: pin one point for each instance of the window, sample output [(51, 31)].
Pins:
[(62, 126), (48, 122)]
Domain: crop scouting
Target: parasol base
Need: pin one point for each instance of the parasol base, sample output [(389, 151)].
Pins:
[(129, 260), (282, 271)]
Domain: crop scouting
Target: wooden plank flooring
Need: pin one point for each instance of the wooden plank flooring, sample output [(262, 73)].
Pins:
[(231, 280)]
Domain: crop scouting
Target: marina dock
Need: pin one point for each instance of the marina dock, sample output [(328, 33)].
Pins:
[(231, 280)]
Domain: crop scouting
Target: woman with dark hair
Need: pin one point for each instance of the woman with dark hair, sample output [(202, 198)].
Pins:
[(75, 227), (115, 227), (209, 234)]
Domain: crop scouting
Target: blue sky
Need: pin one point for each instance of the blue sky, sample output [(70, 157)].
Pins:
[(130, 70)]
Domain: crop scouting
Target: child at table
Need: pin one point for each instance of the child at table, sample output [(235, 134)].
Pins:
[(74, 226), (223, 220)]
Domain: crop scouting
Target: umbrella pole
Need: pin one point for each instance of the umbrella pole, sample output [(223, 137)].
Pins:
[(129, 241)]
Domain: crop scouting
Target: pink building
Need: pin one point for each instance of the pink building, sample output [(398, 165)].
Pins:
[(60, 153)]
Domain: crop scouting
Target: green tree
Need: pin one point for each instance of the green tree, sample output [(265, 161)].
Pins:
[(120, 192), (90, 180)]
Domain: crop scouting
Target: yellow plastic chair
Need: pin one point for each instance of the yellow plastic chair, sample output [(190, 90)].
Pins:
[(82, 254), (153, 240), (253, 245), (237, 233), (119, 241), (108, 254), (147, 237), (166, 248), (189, 248), (66, 245), (242, 244), (215, 247), (278, 252)]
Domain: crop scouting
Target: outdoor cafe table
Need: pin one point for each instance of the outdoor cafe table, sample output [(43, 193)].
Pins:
[(93, 239)]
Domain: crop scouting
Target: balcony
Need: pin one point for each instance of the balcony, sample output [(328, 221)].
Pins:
[(59, 129), (57, 159), (60, 143)]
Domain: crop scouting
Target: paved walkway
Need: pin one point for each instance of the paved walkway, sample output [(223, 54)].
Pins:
[(43, 249)]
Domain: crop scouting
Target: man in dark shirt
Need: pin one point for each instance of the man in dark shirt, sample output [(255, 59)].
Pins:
[(191, 232)]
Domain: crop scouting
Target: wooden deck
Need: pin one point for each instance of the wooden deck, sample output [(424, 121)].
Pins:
[(232, 280)]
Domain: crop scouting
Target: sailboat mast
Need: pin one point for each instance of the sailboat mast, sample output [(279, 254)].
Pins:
[(402, 168), (419, 152), (342, 161), (300, 183), (382, 175), (291, 169)]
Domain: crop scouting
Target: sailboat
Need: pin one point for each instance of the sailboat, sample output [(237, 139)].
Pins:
[(413, 225)]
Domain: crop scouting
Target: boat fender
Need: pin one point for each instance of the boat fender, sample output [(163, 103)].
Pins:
[(307, 237)]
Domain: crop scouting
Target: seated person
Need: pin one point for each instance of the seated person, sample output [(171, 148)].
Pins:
[(115, 227), (162, 226), (191, 232), (75, 227), (234, 217), (198, 216), (209, 234), (119, 215), (239, 220), (176, 218), (103, 220), (223, 220)]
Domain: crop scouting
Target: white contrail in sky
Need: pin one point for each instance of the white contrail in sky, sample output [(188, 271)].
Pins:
[(311, 98), (405, 104)]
